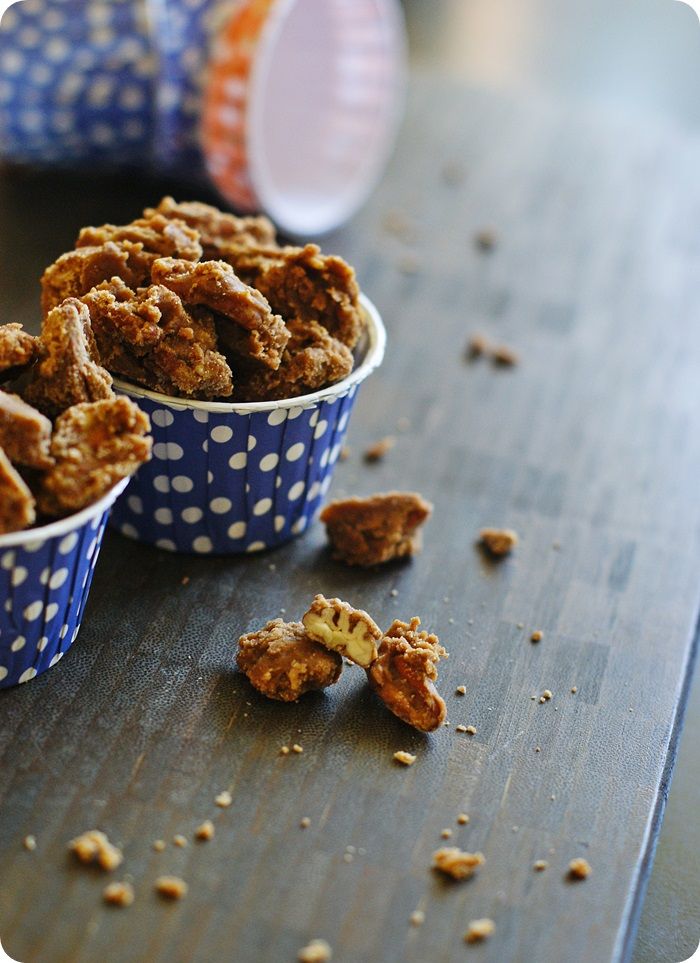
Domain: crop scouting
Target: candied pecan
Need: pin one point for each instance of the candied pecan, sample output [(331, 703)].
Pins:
[(218, 231), (76, 272), (403, 674), (25, 434), (368, 531), (16, 500), (282, 662), (254, 332), (311, 360), (340, 627), (68, 371), (18, 349), (152, 237), (94, 445), (149, 337)]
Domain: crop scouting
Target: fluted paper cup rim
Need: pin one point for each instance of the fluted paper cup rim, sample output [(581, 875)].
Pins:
[(63, 526), (376, 333)]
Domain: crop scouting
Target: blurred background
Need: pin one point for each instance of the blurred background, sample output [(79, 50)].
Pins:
[(638, 60)]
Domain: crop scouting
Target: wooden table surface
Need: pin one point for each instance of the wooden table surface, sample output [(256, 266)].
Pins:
[(590, 444)]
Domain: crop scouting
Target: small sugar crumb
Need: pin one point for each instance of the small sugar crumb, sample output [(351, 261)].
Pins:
[(179, 840), (304, 822), (446, 833), (408, 264), (537, 749), (394, 593), (461, 690), (547, 695), (224, 799), (94, 847), (272, 567), (405, 758), (539, 865), (477, 346), (479, 930), (185, 580), (118, 894), (379, 449), (471, 730), (345, 453), (463, 819), (455, 863), (284, 750), (498, 541), (171, 887), (536, 636), (297, 748), (520, 625), (317, 951), (29, 843), (504, 357), (579, 868), (486, 239), (205, 831), (348, 857), (417, 918), (396, 223), (460, 728), (159, 845), (574, 689), (403, 424)]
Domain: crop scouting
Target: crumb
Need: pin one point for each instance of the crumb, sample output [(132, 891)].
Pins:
[(224, 799), (479, 930), (159, 845), (542, 699), (348, 857), (272, 567), (317, 951), (118, 894), (547, 695), (520, 625), (394, 593), (537, 749), (405, 758), (396, 223), (499, 541), (344, 453), (536, 636), (179, 840), (579, 868), (515, 828), (297, 748), (456, 863), (29, 843), (463, 819), (172, 887), (417, 918), (450, 621), (284, 750), (504, 356), (486, 239), (460, 728), (574, 689), (205, 831), (379, 449), (185, 580), (556, 546), (540, 864), (343, 629), (408, 264), (93, 846), (446, 833), (370, 531), (471, 730), (552, 797), (477, 346), (305, 822), (403, 424), (461, 690)]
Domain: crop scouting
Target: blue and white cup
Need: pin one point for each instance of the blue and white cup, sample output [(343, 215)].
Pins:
[(45, 577), (230, 478)]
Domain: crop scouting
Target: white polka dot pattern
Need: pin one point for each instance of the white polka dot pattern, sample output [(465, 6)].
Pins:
[(238, 482)]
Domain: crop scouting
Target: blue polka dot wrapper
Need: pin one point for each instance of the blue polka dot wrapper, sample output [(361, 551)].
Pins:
[(45, 577), (230, 478)]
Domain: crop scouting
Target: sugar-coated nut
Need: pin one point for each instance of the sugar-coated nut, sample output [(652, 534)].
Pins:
[(340, 627), (456, 863), (579, 868), (317, 951), (171, 887), (499, 541), (479, 930), (118, 894)]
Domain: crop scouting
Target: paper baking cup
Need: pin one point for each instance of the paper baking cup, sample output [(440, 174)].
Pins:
[(230, 478), (45, 576)]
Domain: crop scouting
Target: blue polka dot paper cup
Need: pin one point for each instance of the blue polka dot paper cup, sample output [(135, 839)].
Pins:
[(229, 478), (45, 577)]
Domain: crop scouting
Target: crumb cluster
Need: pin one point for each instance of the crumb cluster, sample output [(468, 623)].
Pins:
[(377, 529)]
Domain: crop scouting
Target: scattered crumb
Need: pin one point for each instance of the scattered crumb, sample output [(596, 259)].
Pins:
[(272, 567), (451, 621), (546, 695), (394, 593), (477, 346), (344, 453), (224, 799), (304, 822), (317, 951), (446, 833), (94, 847), (405, 758), (504, 356), (460, 728), (479, 930), (552, 797), (29, 843), (417, 918), (579, 868), (297, 748), (185, 580), (536, 636), (179, 840), (461, 690), (379, 449), (463, 819), (520, 625), (499, 541), (408, 264), (172, 887), (205, 831), (539, 865), (456, 863), (486, 239), (284, 750), (556, 546), (403, 424), (471, 730), (537, 749), (159, 845), (399, 225), (348, 857), (574, 689), (118, 894)]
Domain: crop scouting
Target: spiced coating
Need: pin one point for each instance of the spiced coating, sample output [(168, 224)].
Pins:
[(219, 232), (377, 529), (25, 434), (68, 371), (17, 509), (18, 349), (76, 272), (404, 672), (282, 662)]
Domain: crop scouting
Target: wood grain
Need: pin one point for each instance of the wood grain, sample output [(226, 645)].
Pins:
[(591, 443)]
